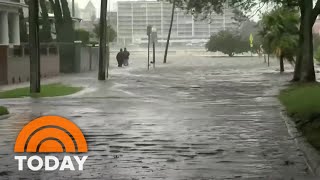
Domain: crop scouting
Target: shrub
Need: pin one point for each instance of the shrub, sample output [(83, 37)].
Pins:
[(227, 42), (3, 111), (111, 33), (82, 35)]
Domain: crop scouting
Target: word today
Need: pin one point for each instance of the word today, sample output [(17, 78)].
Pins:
[(50, 163)]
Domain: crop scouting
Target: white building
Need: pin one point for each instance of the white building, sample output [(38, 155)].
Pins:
[(135, 16), (89, 17), (9, 22), (89, 13)]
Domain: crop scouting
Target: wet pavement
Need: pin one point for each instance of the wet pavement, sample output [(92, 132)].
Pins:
[(193, 118)]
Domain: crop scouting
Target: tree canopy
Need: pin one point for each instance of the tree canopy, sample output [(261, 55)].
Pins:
[(221, 42), (280, 32), (111, 33), (82, 35)]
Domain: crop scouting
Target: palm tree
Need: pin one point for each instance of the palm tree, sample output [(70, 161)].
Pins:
[(281, 34), (45, 32), (170, 29), (65, 34)]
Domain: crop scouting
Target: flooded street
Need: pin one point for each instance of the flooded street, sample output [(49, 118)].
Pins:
[(193, 118)]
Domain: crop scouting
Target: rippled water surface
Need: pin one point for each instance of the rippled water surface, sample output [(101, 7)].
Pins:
[(194, 118)]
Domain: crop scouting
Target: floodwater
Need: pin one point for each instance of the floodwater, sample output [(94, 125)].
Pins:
[(193, 118)]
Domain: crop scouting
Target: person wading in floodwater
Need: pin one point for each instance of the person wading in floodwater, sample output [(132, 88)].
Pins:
[(126, 57), (120, 58)]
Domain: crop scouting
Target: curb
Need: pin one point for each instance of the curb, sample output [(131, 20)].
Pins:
[(311, 155)]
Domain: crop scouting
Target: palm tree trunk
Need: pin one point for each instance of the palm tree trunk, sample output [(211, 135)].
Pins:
[(307, 69), (297, 67), (65, 35), (55, 5), (34, 47), (170, 29), (103, 39), (281, 63)]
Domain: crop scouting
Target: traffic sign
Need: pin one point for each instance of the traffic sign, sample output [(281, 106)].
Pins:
[(251, 40)]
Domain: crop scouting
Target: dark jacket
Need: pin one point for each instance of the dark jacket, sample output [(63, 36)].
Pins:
[(126, 54), (120, 56)]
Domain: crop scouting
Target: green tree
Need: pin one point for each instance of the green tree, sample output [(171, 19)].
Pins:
[(281, 34), (111, 33), (82, 35), (240, 17), (221, 42)]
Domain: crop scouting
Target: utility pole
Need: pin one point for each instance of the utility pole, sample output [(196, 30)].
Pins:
[(34, 45), (103, 39)]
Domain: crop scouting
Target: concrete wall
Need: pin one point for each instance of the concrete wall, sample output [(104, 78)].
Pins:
[(15, 66), (19, 68), (87, 59)]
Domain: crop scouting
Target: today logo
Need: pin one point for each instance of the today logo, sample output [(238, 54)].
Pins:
[(50, 134)]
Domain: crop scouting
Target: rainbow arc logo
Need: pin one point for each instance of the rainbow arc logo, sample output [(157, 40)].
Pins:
[(50, 134)]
